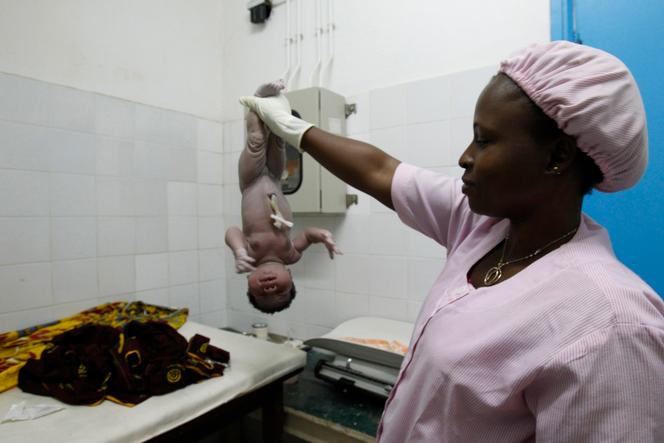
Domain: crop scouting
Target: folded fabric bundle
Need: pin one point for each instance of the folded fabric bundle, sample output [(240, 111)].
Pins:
[(126, 365), (17, 347)]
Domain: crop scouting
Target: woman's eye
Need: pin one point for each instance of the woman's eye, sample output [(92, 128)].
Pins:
[(481, 142)]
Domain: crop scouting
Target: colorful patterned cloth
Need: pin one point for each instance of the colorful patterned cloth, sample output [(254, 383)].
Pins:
[(17, 347)]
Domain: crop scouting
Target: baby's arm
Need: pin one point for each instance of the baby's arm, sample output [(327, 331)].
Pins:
[(238, 244), (316, 235)]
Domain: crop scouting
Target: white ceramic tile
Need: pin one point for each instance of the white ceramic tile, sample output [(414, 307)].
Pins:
[(211, 232), (465, 88), (150, 124), (422, 273), (13, 321), (24, 146), (429, 144), (213, 295), (419, 245), (114, 117), (387, 277), (232, 200), (72, 195), (461, 135), (68, 309), (115, 196), (116, 236), (116, 275), (150, 160), (25, 286), (150, 197), (151, 271), (24, 193), (413, 311), (151, 234), (216, 319), (183, 164), (211, 264), (73, 237), (388, 107), (319, 307), (236, 133), (183, 267), (210, 168), (352, 236), (25, 100), (72, 152), (72, 109), (114, 156), (181, 198), (210, 135), (185, 296), (158, 297), (428, 100), (359, 122), (391, 140), (391, 308), (182, 233), (230, 175), (182, 130), (387, 236), (24, 240), (236, 293), (352, 273), (165, 127), (319, 270), (74, 280), (210, 200)]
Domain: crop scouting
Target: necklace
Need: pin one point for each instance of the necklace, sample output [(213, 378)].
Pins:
[(495, 273)]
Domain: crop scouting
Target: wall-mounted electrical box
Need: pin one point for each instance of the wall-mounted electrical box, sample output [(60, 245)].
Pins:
[(308, 186)]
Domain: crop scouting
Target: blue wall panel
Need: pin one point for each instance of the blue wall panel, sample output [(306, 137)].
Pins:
[(633, 31)]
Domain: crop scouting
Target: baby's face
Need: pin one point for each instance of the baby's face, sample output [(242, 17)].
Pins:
[(270, 281)]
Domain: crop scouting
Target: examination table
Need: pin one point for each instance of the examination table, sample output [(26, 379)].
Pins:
[(253, 380)]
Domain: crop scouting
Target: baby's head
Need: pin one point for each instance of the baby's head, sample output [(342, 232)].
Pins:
[(271, 287)]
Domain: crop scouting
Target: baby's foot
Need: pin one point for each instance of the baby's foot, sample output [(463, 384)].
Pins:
[(270, 89)]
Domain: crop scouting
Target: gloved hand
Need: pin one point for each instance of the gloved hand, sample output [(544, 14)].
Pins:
[(317, 235), (243, 262), (275, 112)]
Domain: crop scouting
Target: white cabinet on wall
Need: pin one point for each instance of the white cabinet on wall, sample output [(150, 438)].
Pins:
[(308, 186)]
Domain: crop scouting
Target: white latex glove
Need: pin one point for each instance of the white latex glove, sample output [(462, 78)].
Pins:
[(275, 112), (243, 262)]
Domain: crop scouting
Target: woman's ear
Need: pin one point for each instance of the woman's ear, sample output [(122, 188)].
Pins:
[(563, 155)]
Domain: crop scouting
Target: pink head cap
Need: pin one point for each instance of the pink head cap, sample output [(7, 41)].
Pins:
[(592, 97)]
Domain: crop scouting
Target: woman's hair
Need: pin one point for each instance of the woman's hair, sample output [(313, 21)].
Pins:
[(546, 128)]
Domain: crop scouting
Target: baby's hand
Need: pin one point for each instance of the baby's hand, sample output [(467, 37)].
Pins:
[(243, 262), (317, 235)]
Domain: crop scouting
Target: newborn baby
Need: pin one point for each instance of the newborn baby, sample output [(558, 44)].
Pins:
[(263, 247)]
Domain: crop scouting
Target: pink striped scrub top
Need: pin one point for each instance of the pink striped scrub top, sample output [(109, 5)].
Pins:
[(571, 349)]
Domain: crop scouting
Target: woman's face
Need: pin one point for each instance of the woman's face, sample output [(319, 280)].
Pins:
[(506, 162)]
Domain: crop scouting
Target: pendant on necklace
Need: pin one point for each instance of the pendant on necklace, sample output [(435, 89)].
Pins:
[(493, 275)]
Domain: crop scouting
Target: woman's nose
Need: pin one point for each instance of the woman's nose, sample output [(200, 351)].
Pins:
[(466, 159)]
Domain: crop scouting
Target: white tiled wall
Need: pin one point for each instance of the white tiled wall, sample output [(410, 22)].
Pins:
[(387, 268), (103, 199)]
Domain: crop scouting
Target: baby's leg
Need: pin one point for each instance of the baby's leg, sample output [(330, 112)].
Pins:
[(275, 156), (253, 157)]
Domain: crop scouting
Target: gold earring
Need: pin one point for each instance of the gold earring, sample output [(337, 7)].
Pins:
[(556, 170)]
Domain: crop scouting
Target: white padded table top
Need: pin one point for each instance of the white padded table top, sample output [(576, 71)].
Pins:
[(254, 363)]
